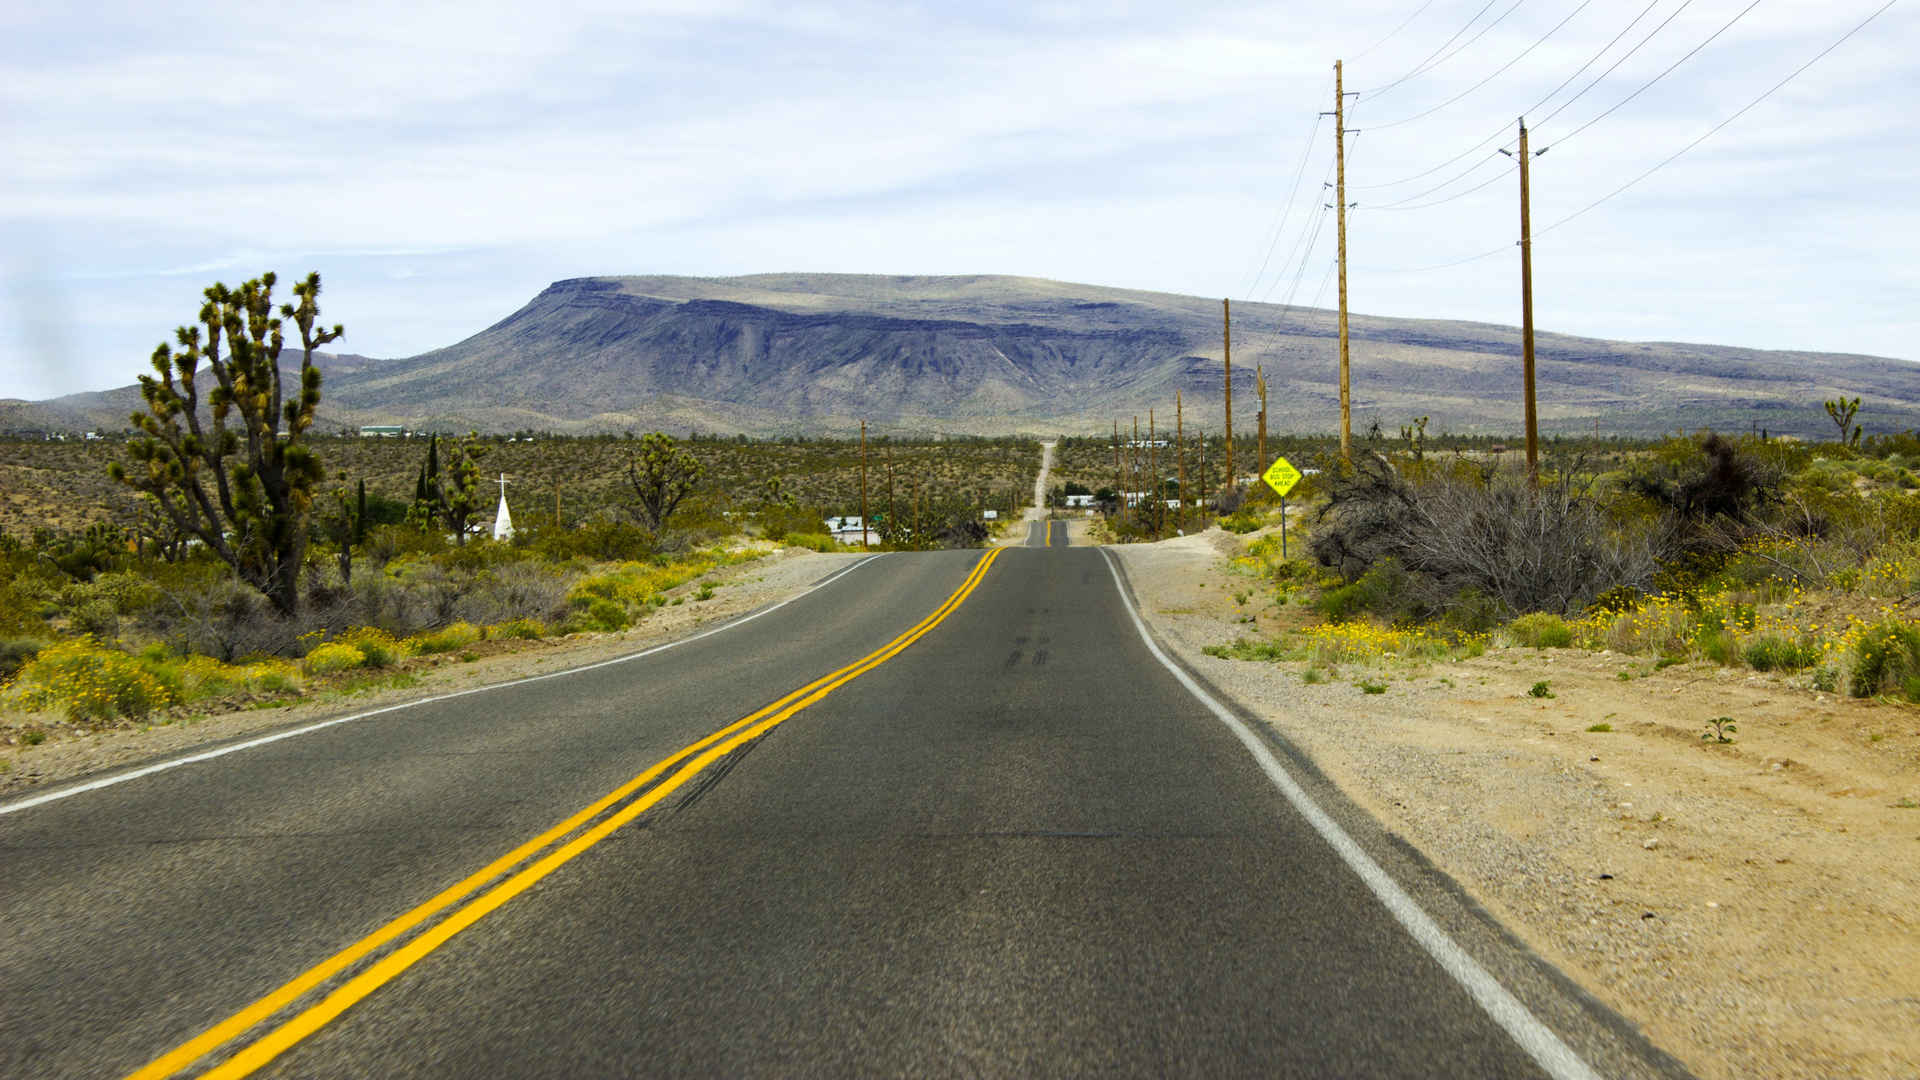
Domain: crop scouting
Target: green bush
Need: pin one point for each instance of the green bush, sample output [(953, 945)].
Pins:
[(600, 613), (87, 682), (1379, 591), (378, 648), (1541, 630), (523, 629), (1771, 652), (14, 654), (334, 656), (813, 541), (445, 640), (1886, 658)]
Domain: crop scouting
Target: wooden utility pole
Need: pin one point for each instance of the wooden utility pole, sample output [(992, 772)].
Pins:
[(1119, 478), (1226, 333), (893, 516), (1340, 216), (1526, 312), (1180, 448), (1260, 384), (1133, 463), (1153, 459), (863, 485)]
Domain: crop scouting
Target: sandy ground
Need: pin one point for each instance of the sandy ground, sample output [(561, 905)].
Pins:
[(1752, 905), (67, 755)]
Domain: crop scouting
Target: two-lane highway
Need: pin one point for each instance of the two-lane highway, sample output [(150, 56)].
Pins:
[(945, 814)]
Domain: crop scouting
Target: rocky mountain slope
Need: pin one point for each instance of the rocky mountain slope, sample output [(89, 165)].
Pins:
[(798, 353)]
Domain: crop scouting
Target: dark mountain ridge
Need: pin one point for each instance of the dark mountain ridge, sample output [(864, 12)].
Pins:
[(805, 353)]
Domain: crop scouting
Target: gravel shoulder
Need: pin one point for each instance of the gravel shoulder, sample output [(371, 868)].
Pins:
[(1752, 905), (67, 755)]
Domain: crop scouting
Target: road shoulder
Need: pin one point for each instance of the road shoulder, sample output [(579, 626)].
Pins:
[(1745, 905)]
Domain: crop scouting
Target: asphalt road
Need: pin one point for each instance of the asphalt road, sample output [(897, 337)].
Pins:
[(1044, 533), (1015, 846)]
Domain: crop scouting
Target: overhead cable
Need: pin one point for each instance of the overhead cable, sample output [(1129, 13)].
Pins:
[(1497, 72), (1644, 86), (1390, 34), (1502, 131), (1716, 128)]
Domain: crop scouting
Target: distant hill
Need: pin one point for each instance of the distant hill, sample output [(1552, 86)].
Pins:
[(808, 353)]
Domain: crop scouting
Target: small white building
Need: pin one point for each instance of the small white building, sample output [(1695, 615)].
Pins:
[(849, 529), (1079, 502)]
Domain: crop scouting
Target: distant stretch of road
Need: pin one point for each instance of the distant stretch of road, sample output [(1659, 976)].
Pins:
[(947, 814), (1045, 533)]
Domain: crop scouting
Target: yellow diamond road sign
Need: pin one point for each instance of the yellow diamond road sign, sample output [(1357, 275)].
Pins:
[(1281, 476)]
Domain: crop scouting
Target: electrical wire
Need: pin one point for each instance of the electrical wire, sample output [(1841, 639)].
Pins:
[(1286, 210), (1467, 44), (1482, 185), (1501, 132), (1624, 57), (1717, 127), (1497, 72), (1649, 83), (1404, 23), (1421, 66)]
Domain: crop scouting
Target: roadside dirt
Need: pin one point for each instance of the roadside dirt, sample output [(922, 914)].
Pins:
[(1752, 905), (68, 754)]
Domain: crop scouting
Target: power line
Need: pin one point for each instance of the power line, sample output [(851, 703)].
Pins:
[(1624, 57), (1497, 72), (1501, 132), (1488, 182), (1716, 128), (1286, 211), (1644, 86), (1421, 66), (1465, 45), (1390, 34)]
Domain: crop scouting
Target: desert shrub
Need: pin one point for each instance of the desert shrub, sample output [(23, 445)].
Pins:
[(1773, 652), (14, 654), (87, 681), (782, 522), (813, 541), (446, 639), (1551, 548), (1243, 521), (331, 657), (378, 649), (95, 618), (599, 613), (1886, 657), (1541, 630), (523, 629), (1381, 591), (601, 541), (530, 590)]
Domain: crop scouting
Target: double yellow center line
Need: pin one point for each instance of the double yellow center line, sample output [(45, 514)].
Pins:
[(678, 768)]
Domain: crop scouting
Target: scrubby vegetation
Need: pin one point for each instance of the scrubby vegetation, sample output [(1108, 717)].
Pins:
[(116, 618), (1794, 559)]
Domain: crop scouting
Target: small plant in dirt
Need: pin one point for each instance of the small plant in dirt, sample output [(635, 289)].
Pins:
[(1720, 729), (1601, 727), (1312, 676), (1540, 690), (706, 591), (1372, 687), (1887, 660)]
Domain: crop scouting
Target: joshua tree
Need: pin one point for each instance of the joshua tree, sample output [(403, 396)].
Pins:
[(662, 475), (228, 474), (1841, 412), (451, 496)]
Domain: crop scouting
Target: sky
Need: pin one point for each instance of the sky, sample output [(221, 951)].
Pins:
[(440, 165)]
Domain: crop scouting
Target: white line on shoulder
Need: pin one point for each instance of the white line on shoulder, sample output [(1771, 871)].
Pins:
[(234, 748), (1532, 1036)]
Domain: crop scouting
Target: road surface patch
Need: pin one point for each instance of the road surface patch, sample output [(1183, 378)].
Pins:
[(650, 788)]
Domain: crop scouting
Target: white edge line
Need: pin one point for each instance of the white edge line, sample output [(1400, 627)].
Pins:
[(1534, 1037), (234, 748)]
